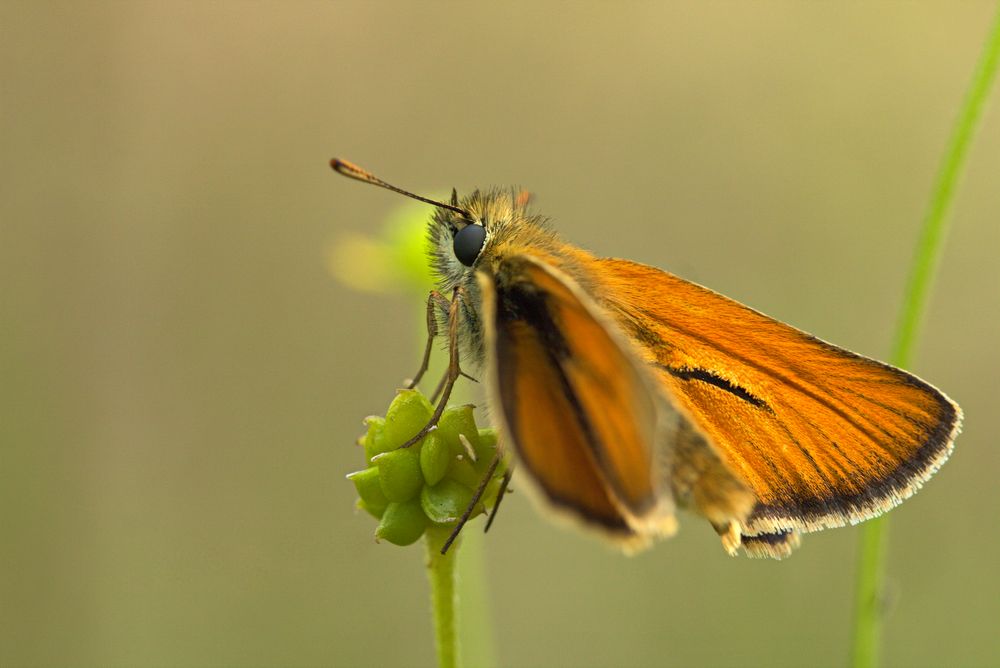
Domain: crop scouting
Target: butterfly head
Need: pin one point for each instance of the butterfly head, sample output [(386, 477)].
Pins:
[(472, 234), (492, 223)]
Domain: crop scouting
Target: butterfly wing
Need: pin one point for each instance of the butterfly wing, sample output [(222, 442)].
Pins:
[(573, 400), (822, 436)]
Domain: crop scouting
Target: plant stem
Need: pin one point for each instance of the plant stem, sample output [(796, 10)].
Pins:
[(473, 592), (869, 599), (935, 221), (868, 606), (441, 573)]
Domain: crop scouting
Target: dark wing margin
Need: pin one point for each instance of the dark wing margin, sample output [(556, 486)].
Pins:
[(879, 494)]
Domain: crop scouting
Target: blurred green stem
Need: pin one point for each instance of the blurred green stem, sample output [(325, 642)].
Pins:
[(473, 593), (869, 598), (441, 573)]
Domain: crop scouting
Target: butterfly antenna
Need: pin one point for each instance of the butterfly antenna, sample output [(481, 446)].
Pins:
[(353, 171)]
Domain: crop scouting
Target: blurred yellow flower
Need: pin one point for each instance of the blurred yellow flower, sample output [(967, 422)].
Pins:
[(394, 261)]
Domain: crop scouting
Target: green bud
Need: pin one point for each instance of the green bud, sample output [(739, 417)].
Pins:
[(445, 502), (374, 512), (462, 470), (369, 489), (399, 473), (427, 486), (486, 449), (402, 523), (491, 491), (488, 438), (434, 458), (408, 413), (459, 420), (374, 440)]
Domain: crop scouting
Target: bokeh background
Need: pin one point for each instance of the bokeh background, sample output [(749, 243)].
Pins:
[(182, 380)]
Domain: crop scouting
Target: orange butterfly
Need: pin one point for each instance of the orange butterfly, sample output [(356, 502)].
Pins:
[(628, 392)]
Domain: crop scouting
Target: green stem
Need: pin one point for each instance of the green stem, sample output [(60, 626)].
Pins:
[(868, 601), (441, 573), (473, 591), (868, 594)]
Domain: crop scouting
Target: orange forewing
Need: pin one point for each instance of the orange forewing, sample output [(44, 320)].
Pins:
[(575, 403), (821, 435), (549, 439)]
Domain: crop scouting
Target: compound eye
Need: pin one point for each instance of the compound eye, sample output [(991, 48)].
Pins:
[(468, 242)]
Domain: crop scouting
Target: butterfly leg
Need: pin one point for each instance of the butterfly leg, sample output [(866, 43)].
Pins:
[(476, 498), (452, 374), (444, 380), (500, 494), (434, 300)]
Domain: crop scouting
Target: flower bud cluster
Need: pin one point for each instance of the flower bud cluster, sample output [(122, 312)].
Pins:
[(430, 483)]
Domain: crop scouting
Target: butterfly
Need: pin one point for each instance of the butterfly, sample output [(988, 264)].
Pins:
[(628, 393)]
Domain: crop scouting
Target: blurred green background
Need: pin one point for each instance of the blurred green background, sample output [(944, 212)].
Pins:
[(183, 380)]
